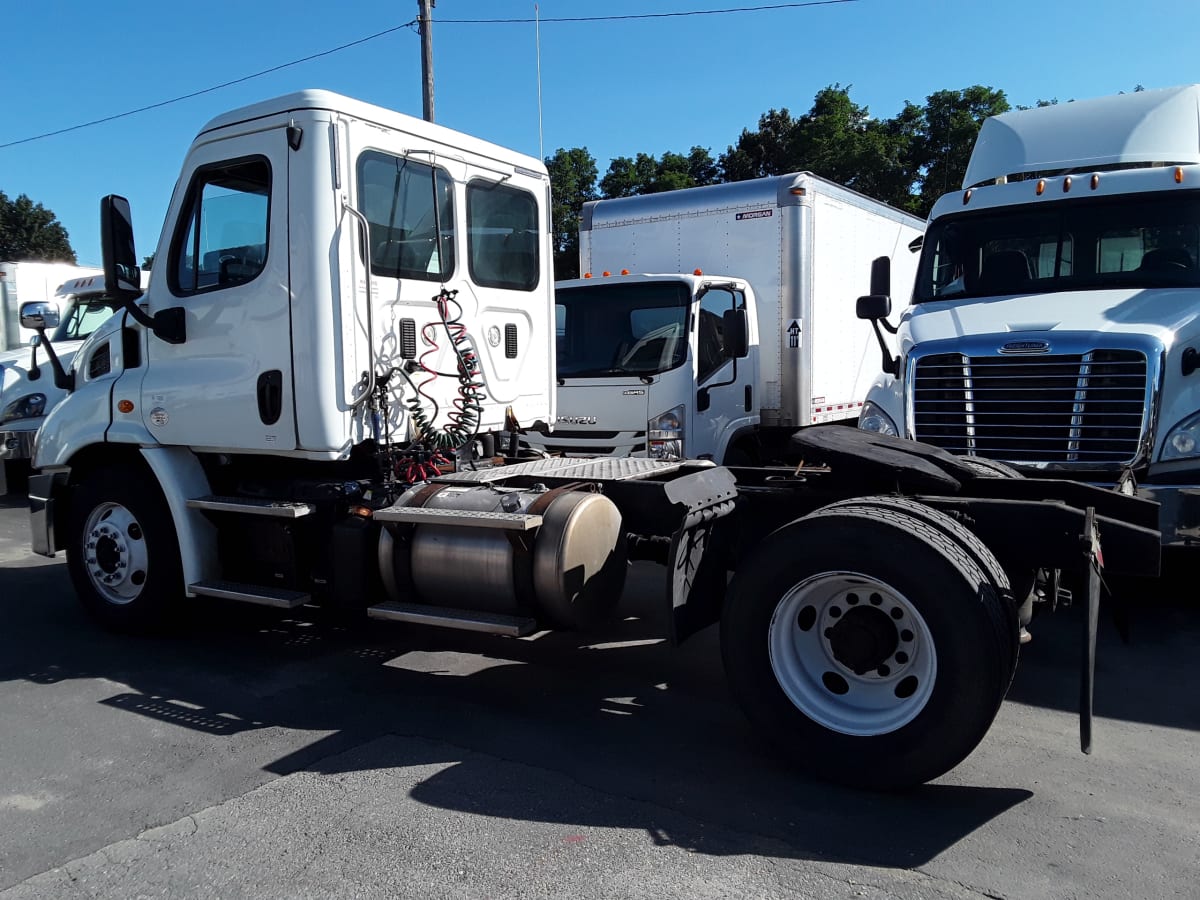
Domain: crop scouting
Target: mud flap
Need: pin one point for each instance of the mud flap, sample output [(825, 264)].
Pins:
[(1094, 561)]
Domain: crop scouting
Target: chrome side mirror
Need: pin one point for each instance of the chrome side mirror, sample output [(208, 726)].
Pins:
[(39, 314)]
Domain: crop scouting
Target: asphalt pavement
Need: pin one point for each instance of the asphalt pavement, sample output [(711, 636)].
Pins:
[(265, 755)]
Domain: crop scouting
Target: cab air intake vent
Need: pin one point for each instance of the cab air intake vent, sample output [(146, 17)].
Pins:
[(100, 363)]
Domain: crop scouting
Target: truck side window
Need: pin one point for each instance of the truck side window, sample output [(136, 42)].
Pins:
[(502, 236), (409, 206), (222, 239), (710, 331)]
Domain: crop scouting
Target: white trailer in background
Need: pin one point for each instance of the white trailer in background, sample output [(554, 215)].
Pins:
[(647, 364)]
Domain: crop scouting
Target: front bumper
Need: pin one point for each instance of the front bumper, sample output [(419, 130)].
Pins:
[(17, 443)]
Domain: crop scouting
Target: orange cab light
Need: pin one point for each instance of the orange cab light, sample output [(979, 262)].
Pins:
[(624, 271), (1095, 182), (125, 406), (606, 274), (587, 274), (1066, 184), (1041, 186), (697, 271), (967, 197), (1179, 174)]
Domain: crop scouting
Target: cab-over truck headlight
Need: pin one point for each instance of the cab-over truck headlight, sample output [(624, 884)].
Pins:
[(873, 418), (664, 435), (1183, 441), (28, 407)]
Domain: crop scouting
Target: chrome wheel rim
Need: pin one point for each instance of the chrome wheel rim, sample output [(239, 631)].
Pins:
[(852, 653), (115, 557)]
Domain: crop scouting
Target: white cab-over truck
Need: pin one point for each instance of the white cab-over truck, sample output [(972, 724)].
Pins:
[(350, 304), (726, 363), (27, 388), (1055, 321)]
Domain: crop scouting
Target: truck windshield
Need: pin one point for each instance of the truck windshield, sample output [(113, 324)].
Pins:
[(1136, 240), (82, 318), (621, 329)]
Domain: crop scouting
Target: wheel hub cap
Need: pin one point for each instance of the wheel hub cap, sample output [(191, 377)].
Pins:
[(115, 555)]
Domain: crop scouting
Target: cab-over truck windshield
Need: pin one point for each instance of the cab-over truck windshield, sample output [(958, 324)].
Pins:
[(1137, 240), (621, 329)]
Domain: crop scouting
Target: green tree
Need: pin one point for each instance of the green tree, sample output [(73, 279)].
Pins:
[(647, 174), (572, 183), (766, 151), (30, 231), (147, 262), (946, 129)]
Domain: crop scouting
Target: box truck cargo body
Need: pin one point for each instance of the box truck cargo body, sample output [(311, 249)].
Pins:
[(801, 244)]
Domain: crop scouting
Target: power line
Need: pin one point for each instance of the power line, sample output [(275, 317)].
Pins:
[(209, 90), (411, 24), (666, 15)]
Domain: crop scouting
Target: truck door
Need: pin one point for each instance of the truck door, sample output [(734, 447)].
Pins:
[(724, 385), (229, 385)]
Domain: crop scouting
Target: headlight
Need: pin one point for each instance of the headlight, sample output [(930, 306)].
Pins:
[(873, 418), (664, 435), (28, 407), (1183, 441)]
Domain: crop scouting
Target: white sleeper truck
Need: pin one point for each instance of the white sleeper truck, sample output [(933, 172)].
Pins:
[(25, 281), (349, 305), (752, 334), (1055, 321)]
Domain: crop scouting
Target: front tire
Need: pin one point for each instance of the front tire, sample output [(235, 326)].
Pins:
[(122, 552), (868, 645)]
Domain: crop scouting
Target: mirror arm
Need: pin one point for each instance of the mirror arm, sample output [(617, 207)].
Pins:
[(167, 324), (34, 372), (63, 380), (890, 363), (888, 326)]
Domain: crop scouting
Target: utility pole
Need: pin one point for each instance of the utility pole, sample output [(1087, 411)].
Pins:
[(425, 24)]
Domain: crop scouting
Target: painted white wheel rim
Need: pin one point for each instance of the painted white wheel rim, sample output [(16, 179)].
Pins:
[(114, 553), (852, 653)]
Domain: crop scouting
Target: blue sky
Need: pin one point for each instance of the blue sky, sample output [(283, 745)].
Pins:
[(616, 87)]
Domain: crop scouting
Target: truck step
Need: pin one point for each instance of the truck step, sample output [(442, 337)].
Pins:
[(419, 515), (280, 598), (445, 617), (279, 509)]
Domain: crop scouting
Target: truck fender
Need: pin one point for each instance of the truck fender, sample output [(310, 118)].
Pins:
[(181, 478), (738, 431)]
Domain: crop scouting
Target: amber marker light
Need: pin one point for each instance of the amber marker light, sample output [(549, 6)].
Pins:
[(697, 271), (587, 274), (1095, 182), (125, 406), (1066, 184), (606, 274), (1041, 187), (1179, 174), (967, 197), (624, 271)]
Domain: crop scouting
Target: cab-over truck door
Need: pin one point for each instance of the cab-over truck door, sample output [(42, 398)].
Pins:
[(224, 253)]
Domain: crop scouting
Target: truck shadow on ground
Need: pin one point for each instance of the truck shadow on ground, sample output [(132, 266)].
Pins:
[(648, 729)]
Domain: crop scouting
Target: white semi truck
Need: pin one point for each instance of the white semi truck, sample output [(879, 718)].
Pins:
[(758, 339), (24, 281), (1055, 322), (27, 386), (350, 304)]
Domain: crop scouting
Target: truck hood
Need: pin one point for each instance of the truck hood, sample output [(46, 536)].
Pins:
[(14, 372), (1170, 315)]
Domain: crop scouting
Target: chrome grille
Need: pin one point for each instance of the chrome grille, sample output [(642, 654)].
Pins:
[(1085, 409)]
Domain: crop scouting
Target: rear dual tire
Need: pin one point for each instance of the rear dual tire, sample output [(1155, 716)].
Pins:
[(870, 644)]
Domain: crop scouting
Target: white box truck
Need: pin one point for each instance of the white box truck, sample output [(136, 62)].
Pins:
[(349, 306), (1055, 322), (647, 363), (29, 280)]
